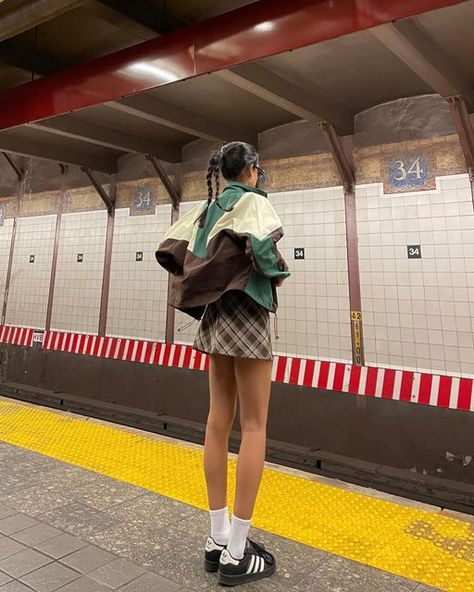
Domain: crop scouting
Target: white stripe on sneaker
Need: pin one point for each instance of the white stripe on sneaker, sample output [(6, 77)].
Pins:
[(250, 567)]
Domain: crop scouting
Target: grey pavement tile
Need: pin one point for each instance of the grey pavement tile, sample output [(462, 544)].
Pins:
[(152, 510), (6, 511), (106, 492), (137, 543), (59, 546), (116, 573), (151, 582), (16, 522), (85, 584), (87, 559), (36, 534), (4, 578), (35, 500), (15, 586), (49, 577), (23, 562), (79, 519), (348, 576), (9, 547)]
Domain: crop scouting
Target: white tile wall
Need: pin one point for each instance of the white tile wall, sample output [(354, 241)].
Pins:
[(138, 290), (418, 313), (314, 311), (78, 289), (29, 285), (5, 242)]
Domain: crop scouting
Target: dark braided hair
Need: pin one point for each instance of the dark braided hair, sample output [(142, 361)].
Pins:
[(231, 160)]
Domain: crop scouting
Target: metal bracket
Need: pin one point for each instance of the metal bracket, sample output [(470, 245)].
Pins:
[(170, 188), (11, 161), (344, 167), (109, 200)]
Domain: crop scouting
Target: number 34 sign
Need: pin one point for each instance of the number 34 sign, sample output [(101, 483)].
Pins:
[(409, 172)]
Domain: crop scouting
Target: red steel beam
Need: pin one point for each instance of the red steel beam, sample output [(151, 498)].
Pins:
[(258, 30)]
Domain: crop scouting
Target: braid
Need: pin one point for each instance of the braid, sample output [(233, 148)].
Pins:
[(212, 171)]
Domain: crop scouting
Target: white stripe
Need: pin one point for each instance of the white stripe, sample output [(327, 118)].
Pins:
[(287, 372), (434, 390), (250, 567), (203, 362), (332, 371), (56, 341), (171, 357), (117, 348), (152, 354), (20, 336), (162, 354), (94, 341), (379, 383), (109, 347), (362, 380), (101, 346), (125, 349), (454, 398), (13, 339), (317, 370), (261, 567), (143, 354), (134, 350), (274, 367), (397, 385), (181, 356), (415, 390), (301, 372), (256, 565)]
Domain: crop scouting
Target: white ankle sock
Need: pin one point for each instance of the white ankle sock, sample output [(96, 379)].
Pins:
[(239, 530), (220, 525)]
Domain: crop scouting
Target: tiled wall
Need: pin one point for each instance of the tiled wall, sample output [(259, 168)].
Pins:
[(78, 286), (138, 289), (29, 285), (314, 312), (418, 313), (5, 242)]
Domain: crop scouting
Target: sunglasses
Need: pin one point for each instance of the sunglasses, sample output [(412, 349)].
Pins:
[(261, 175)]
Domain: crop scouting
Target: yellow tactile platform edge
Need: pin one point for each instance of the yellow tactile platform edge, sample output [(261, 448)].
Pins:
[(423, 546)]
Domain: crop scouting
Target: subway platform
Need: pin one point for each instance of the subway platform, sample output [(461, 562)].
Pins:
[(89, 506)]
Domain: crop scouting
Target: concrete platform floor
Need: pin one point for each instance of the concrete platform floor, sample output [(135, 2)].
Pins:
[(69, 529)]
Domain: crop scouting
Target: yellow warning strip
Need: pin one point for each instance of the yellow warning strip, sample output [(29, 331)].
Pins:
[(423, 546)]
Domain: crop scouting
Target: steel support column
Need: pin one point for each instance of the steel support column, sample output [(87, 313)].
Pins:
[(465, 131), (109, 200), (54, 264), (21, 191), (347, 176), (104, 299)]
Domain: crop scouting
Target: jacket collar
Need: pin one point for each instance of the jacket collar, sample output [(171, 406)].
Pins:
[(242, 186)]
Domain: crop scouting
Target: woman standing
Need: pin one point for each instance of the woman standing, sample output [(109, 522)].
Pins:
[(226, 267)]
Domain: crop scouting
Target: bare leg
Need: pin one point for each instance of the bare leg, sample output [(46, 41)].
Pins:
[(253, 384), (223, 398)]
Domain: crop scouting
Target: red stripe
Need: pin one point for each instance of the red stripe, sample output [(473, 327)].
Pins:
[(444, 392), (371, 381), (339, 377), (465, 393), (388, 384), (166, 356), (425, 388), (156, 357), (187, 357), (281, 366), (131, 347), (206, 364), (323, 375), (354, 380), (177, 355), (149, 347), (309, 373), (406, 386), (89, 345), (9, 331), (197, 361), (121, 349), (97, 345), (295, 370), (138, 355)]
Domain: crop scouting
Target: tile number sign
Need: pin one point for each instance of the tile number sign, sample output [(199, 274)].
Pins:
[(406, 173), (139, 256), (80, 257), (32, 258), (414, 251), (299, 253), (142, 199)]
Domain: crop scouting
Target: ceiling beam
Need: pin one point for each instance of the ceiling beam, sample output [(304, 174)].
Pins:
[(99, 135), (9, 142), (250, 33), (161, 112), (278, 90), (28, 59), (146, 14), (410, 42)]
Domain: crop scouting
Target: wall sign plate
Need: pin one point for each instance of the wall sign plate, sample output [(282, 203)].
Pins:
[(139, 256), (32, 258), (299, 253), (414, 251), (80, 257), (142, 200), (409, 172)]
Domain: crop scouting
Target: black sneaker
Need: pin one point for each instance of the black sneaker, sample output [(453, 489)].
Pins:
[(212, 555), (257, 563)]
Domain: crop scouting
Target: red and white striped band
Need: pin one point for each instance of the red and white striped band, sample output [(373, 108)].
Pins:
[(385, 383)]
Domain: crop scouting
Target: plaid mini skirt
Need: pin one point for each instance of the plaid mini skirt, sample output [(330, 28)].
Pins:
[(235, 325)]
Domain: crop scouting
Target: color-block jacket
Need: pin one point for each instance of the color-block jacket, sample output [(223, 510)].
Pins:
[(234, 250)]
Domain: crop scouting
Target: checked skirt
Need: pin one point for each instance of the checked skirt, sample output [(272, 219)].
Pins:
[(236, 326)]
